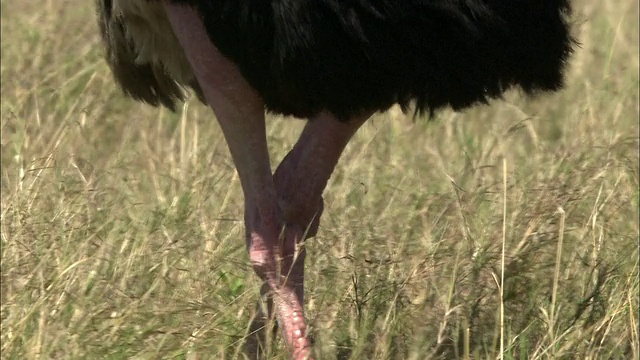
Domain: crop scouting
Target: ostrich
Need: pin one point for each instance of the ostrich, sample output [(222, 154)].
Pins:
[(335, 63)]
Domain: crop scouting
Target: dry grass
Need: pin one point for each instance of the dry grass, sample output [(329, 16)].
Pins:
[(122, 234)]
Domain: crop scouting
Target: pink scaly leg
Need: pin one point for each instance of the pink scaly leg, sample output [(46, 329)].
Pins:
[(240, 113), (303, 174), (300, 180)]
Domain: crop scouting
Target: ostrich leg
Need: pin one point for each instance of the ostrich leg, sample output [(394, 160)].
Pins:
[(303, 174), (240, 113), (300, 180)]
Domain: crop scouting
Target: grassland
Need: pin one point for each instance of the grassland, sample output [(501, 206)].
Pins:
[(122, 233)]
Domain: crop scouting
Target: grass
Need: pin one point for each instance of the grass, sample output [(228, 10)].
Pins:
[(122, 233)]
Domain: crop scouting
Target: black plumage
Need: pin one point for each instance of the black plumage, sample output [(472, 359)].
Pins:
[(358, 56)]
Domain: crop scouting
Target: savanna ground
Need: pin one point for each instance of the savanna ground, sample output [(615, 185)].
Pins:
[(122, 234)]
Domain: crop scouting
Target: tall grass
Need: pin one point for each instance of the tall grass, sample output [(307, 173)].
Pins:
[(122, 234)]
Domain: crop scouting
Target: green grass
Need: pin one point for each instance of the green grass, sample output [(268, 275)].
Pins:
[(122, 234)]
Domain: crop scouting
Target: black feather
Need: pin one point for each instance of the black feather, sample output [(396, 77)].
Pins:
[(354, 56)]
